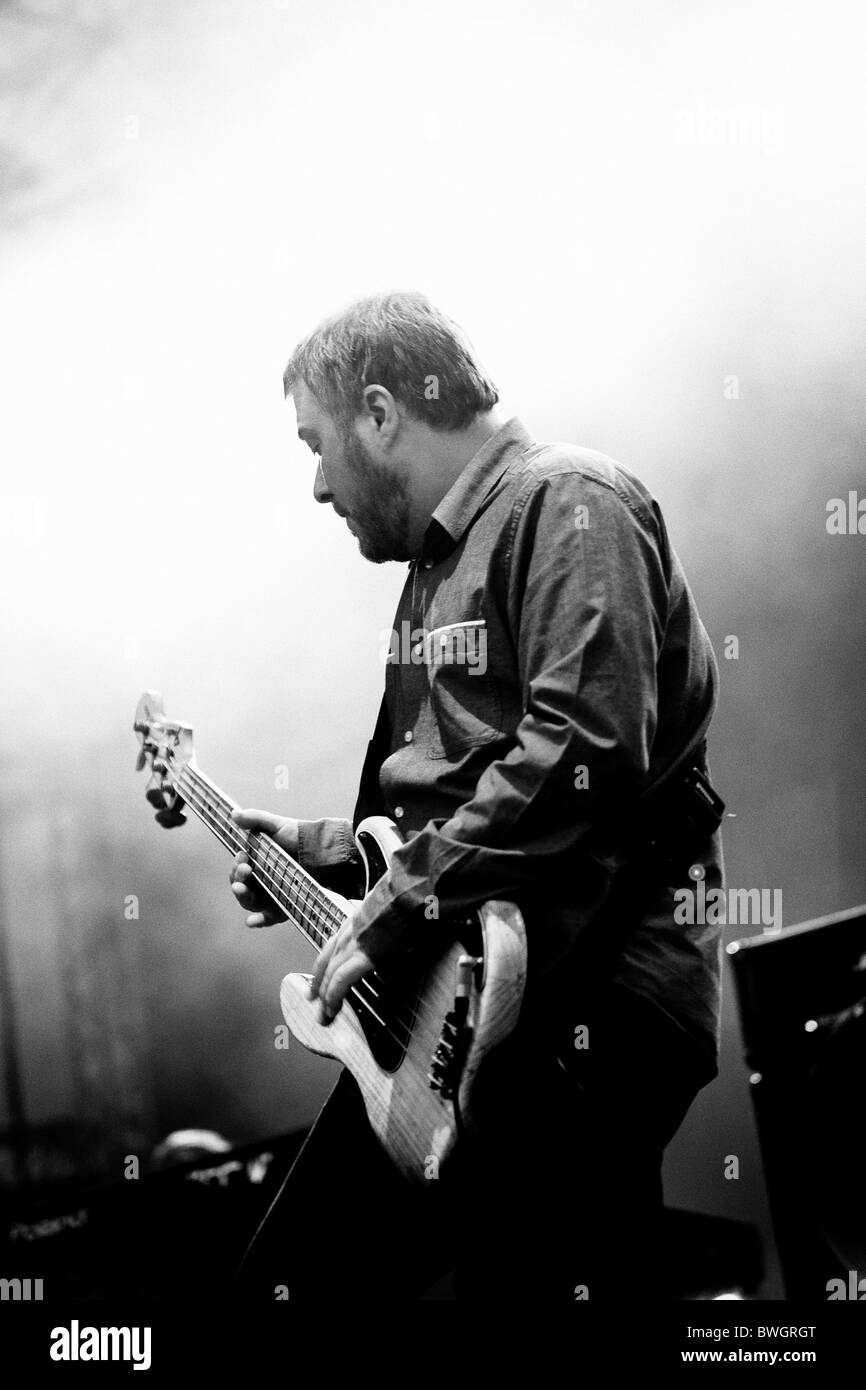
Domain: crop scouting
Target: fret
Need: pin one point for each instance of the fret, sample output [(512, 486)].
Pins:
[(296, 892)]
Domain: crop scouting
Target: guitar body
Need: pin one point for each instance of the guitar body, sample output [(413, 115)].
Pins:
[(416, 1125), (413, 1035)]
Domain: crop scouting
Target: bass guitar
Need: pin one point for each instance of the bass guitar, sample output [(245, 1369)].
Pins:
[(414, 1035)]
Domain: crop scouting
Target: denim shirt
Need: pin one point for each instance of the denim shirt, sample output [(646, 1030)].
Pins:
[(546, 664)]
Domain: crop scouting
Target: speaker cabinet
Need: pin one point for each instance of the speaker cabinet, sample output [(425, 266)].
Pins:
[(801, 994)]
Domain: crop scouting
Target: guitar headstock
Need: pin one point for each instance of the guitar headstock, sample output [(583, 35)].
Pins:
[(166, 748)]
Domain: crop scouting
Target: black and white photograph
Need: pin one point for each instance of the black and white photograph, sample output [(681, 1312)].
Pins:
[(432, 739)]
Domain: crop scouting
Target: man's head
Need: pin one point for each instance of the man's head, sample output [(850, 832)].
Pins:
[(393, 402)]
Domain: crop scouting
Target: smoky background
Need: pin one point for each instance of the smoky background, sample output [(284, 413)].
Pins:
[(650, 220)]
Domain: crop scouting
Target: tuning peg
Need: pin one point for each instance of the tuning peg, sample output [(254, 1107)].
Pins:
[(141, 760), (154, 793), (170, 818)]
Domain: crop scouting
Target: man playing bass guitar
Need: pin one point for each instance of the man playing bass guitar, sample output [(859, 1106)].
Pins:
[(541, 739)]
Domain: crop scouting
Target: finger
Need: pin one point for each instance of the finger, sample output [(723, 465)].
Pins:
[(344, 953), (249, 900), (247, 888), (263, 919), (249, 891), (326, 1012), (341, 980), (321, 966)]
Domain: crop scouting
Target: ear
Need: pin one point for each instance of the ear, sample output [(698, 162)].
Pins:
[(382, 411)]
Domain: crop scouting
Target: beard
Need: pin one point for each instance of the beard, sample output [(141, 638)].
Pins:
[(380, 516)]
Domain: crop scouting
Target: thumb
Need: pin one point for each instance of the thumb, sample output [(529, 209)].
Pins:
[(259, 820)]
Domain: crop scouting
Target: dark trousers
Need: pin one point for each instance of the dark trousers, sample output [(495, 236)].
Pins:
[(557, 1198)]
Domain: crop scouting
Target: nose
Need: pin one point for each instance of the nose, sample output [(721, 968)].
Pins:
[(320, 487)]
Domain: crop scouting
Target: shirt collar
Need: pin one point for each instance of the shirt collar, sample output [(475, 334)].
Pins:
[(463, 500)]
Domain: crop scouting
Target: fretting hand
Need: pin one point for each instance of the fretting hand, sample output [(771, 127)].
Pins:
[(341, 963)]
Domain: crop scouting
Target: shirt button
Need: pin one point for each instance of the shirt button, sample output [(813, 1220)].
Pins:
[(398, 811), (428, 564), (408, 736)]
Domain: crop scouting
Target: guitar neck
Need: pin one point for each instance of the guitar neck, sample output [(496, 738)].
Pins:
[(311, 910)]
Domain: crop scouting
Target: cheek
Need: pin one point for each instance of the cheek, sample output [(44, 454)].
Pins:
[(354, 488), (334, 473), (350, 495), (338, 472)]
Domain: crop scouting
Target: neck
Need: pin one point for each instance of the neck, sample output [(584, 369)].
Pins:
[(438, 463), (315, 914)]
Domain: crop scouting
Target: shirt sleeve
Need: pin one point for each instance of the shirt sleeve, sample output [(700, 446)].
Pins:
[(327, 850), (587, 597)]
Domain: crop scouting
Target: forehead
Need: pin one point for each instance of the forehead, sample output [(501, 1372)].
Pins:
[(309, 413)]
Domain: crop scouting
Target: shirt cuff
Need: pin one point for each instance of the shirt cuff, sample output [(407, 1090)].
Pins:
[(381, 926), (326, 842)]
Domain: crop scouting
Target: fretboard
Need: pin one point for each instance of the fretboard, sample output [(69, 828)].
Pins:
[(311, 910)]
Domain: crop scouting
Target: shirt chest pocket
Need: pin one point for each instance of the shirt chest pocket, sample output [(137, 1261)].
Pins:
[(464, 698)]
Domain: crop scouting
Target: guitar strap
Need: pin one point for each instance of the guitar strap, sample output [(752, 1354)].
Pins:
[(369, 800)]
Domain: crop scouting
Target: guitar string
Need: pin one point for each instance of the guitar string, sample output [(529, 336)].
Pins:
[(307, 893), (230, 835), (216, 817), (239, 840), (207, 801)]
